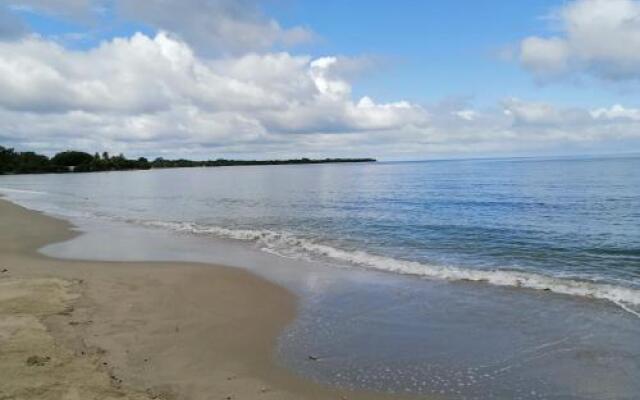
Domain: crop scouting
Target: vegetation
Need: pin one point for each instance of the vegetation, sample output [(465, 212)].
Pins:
[(12, 162)]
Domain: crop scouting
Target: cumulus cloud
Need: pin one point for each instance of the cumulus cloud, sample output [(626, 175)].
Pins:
[(145, 74), (578, 125), (599, 37), (616, 112), (466, 114), (61, 8), (209, 26), (538, 113), (10, 26), (142, 89), (154, 95), (215, 25)]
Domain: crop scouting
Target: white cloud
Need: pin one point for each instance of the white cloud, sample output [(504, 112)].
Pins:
[(215, 25), (177, 93), (142, 89), (466, 114), (533, 113), (578, 125), (599, 37), (616, 112), (209, 26), (10, 26), (62, 8), (545, 57), (326, 82)]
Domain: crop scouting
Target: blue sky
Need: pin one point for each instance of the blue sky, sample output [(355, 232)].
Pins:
[(528, 77), (440, 49)]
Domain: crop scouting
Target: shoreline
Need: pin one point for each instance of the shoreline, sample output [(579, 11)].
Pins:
[(164, 330)]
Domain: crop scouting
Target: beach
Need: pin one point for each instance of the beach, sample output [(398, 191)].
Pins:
[(219, 199), (82, 329), (323, 281)]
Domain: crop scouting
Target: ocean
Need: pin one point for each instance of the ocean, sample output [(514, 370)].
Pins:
[(465, 278)]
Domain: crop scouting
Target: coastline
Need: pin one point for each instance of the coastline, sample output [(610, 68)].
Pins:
[(162, 330)]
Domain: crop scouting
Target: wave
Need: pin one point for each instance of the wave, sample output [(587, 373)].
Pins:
[(24, 191), (288, 245)]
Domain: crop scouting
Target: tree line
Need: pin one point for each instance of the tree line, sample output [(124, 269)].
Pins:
[(14, 162)]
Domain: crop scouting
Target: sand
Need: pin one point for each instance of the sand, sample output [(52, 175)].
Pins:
[(107, 330)]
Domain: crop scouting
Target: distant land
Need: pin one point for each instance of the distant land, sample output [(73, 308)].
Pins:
[(13, 162)]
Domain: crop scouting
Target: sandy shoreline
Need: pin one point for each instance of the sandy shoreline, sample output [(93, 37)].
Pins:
[(84, 329)]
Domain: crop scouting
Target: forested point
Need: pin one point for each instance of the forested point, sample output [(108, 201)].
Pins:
[(13, 162)]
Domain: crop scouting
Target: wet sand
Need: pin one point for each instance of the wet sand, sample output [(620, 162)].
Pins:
[(83, 329)]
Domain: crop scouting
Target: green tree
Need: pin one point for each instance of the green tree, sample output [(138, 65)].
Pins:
[(72, 159), (7, 160)]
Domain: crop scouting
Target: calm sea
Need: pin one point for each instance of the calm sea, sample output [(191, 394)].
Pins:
[(568, 225), (558, 226)]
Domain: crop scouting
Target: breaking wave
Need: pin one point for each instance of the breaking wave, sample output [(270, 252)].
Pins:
[(288, 245), (21, 191)]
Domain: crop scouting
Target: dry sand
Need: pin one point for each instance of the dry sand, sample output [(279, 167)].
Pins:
[(106, 330)]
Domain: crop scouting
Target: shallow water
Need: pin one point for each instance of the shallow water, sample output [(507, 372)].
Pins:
[(569, 226), (394, 333)]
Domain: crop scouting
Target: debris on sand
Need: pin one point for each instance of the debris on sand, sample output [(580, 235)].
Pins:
[(38, 361), (67, 311), (76, 323)]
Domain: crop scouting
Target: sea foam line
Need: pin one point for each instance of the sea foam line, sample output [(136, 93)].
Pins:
[(288, 245), (24, 191)]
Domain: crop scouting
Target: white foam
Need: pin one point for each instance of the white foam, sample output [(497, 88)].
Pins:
[(34, 200), (23, 191), (288, 245)]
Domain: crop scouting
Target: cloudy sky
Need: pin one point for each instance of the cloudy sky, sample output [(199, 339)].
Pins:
[(290, 78)]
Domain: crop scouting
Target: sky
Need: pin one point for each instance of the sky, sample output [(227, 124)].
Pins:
[(249, 79)]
